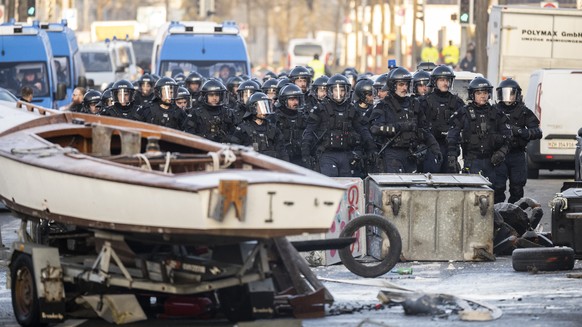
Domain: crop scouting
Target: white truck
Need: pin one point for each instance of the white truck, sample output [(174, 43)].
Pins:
[(524, 39)]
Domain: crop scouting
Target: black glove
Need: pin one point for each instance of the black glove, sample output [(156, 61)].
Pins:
[(524, 133), (497, 158), (407, 126), (437, 154), (452, 164)]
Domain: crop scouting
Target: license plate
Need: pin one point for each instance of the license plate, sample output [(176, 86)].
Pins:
[(562, 144)]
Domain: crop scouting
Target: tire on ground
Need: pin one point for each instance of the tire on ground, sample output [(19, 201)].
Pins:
[(543, 259), (388, 262)]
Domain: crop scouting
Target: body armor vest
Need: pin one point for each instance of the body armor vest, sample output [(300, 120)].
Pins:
[(440, 114), (339, 127), (480, 139)]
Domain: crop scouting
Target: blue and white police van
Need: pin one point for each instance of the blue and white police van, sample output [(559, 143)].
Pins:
[(69, 66), (26, 59), (205, 47)]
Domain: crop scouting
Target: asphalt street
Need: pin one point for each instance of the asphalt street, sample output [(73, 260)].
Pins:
[(524, 298)]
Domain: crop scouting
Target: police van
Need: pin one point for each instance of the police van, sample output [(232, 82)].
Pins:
[(26, 60), (69, 66), (211, 49), (109, 61), (555, 98)]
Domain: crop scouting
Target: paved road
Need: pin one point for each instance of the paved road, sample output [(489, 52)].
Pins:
[(543, 299)]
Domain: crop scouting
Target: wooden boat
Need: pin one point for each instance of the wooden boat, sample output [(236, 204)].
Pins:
[(125, 176)]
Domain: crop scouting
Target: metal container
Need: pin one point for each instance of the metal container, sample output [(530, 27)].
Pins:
[(440, 217), (567, 219)]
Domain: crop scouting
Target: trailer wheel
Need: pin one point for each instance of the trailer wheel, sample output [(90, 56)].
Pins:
[(382, 266), (543, 259), (23, 288), (235, 303)]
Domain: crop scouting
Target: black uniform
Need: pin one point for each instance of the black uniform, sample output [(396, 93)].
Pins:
[(399, 126), (525, 127), (438, 108), (483, 133), (172, 116), (333, 131), (265, 138), (291, 123), (133, 111), (213, 123), (143, 100)]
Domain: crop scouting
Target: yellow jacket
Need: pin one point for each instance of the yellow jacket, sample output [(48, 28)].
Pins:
[(430, 54), (318, 68), (451, 55)]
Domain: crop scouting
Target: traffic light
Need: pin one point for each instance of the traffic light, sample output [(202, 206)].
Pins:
[(419, 10), (31, 8), (466, 12)]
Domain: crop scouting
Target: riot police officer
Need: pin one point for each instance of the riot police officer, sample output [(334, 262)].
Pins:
[(301, 77), (243, 94), (183, 99), (211, 119), (145, 86), (257, 131), (318, 91), (193, 83), (439, 106), (481, 130), (232, 87), (364, 95), (123, 103), (106, 99), (291, 120), (162, 110), (333, 130), (269, 87), (380, 86), (92, 102), (399, 125), (525, 127), (420, 81)]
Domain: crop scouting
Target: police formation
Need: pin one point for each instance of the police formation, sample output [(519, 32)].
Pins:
[(346, 125)]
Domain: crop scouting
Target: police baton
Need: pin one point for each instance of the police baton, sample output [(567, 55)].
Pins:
[(389, 143)]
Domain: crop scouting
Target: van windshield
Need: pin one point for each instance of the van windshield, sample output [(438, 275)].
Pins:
[(16, 75), (307, 50), (460, 88), (96, 62), (218, 69)]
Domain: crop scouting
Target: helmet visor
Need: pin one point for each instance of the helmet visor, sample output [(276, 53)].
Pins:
[(337, 92), (124, 96), (507, 94), (264, 107), (167, 93), (244, 95)]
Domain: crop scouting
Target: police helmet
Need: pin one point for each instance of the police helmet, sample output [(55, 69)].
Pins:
[(338, 88), (291, 91), (180, 78), (398, 74), (123, 92), (351, 74), (165, 90), (194, 78), (508, 92), (283, 81), (362, 89), (427, 66), (270, 87), (300, 72), (259, 103), (245, 90), (311, 71), (380, 82), (107, 98), (479, 84), (269, 75), (183, 94), (91, 97), (320, 83), (420, 77), (442, 71), (213, 87), (232, 84)]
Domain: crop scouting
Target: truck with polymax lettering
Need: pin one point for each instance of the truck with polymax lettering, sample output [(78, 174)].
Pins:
[(524, 39)]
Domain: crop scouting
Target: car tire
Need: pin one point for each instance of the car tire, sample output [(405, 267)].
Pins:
[(387, 263), (543, 259)]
